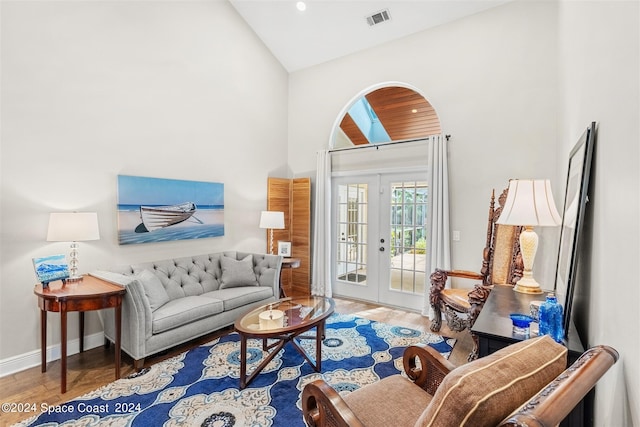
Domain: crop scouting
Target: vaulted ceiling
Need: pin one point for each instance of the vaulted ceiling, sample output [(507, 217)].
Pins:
[(329, 29)]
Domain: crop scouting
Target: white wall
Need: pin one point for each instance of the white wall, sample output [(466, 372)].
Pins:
[(600, 81), (91, 90), (516, 86), (492, 79)]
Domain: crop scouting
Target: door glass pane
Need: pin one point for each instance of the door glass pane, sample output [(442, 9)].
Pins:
[(408, 240), (351, 257)]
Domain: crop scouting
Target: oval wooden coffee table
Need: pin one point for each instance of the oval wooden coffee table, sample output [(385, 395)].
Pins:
[(300, 315)]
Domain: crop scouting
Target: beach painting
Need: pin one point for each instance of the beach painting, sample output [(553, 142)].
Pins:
[(161, 210), (50, 268)]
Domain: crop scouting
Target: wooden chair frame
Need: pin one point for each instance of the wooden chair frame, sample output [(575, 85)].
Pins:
[(323, 406), (479, 294)]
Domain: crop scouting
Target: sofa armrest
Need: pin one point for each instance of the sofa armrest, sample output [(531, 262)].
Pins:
[(554, 402), (432, 368), (136, 314), (322, 406)]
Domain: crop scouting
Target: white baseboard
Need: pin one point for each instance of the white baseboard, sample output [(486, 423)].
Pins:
[(28, 360)]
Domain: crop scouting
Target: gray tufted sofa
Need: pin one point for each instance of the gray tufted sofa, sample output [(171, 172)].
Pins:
[(173, 301)]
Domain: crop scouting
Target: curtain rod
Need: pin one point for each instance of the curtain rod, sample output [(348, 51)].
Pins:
[(380, 145)]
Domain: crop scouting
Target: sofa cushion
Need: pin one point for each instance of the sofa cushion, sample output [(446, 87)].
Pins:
[(374, 407), (237, 272), (240, 296), (485, 391), (185, 310), (156, 293)]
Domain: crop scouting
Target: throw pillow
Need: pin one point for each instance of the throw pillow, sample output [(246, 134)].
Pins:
[(237, 273), (153, 288), (485, 391)]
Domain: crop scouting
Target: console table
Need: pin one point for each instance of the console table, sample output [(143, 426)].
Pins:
[(289, 263), (90, 293), (494, 330)]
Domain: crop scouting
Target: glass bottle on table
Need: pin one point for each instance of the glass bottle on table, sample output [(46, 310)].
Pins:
[(550, 314)]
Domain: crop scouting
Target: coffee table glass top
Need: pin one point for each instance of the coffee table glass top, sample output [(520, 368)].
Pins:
[(285, 314)]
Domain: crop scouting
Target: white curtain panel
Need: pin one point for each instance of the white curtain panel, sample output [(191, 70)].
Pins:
[(321, 273), (439, 254)]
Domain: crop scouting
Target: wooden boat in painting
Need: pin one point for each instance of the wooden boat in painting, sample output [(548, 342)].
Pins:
[(157, 217)]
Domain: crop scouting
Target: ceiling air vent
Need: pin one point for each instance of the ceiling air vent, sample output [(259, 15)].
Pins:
[(378, 17)]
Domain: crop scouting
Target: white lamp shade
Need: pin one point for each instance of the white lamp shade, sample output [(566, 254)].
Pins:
[(272, 219), (529, 202), (73, 227)]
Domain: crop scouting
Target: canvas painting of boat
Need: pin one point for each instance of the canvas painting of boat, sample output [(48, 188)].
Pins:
[(157, 217), (159, 210)]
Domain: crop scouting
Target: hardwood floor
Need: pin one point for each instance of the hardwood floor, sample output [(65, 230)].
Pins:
[(94, 368)]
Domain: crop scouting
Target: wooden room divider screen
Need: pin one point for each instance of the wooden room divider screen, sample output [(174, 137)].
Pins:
[(293, 197)]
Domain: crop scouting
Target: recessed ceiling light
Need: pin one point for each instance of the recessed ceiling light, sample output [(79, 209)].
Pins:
[(301, 6)]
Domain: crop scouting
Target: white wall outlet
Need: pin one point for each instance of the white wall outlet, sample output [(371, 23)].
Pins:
[(456, 235)]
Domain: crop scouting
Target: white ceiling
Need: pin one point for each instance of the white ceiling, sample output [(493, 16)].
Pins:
[(329, 29)]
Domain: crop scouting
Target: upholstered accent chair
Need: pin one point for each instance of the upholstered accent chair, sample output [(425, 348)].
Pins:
[(524, 384), (501, 264)]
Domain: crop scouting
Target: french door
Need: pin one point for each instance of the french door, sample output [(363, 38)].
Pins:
[(379, 238)]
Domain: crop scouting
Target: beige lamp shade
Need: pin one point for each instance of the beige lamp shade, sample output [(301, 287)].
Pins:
[(73, 227), (530, 202)]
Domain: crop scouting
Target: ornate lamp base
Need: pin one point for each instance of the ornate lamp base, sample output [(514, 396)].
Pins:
[(527, 285), (528, 247)]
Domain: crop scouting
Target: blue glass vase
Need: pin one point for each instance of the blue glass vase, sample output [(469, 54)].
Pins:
[(551, 318)]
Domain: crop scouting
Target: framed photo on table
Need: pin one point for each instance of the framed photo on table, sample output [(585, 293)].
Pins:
[(575, 200), (284, 249)]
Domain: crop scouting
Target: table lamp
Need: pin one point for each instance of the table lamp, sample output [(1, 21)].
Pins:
[(272, 220), (529, 203), (73, 227)]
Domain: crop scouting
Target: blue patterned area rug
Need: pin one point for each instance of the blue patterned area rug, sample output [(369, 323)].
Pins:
[(201, 386)]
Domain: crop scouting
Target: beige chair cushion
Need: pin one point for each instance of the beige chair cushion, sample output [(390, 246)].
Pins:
[(393, 401), (456, 298), (485, 391)]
